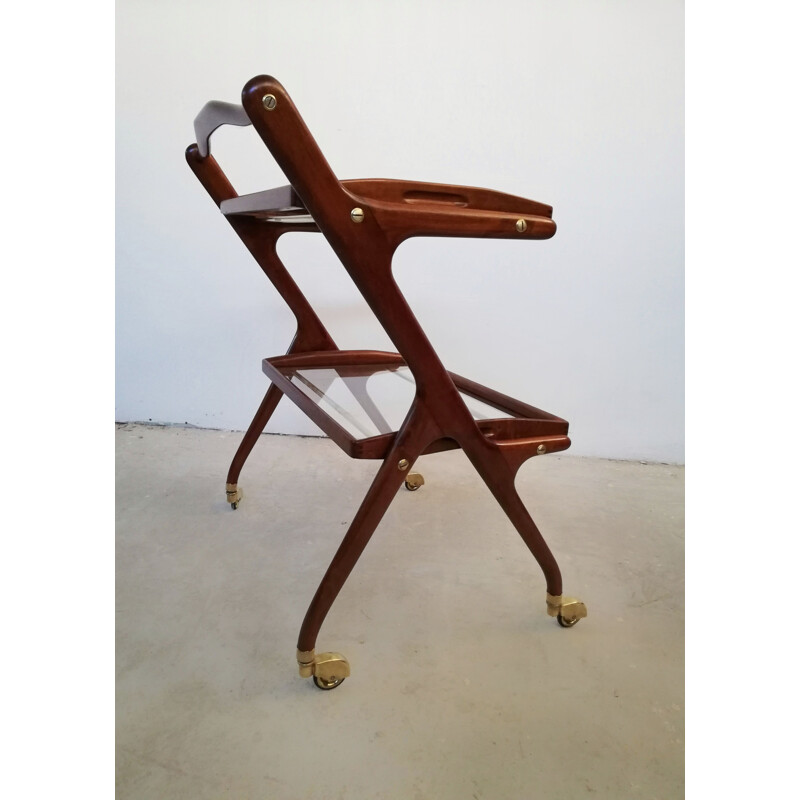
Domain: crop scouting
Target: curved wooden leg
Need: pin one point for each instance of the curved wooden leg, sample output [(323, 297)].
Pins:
[(499, 477), (409, 443), (383, 489), (256, 428)]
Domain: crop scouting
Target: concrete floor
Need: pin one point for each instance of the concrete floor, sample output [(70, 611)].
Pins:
[(462, 687)]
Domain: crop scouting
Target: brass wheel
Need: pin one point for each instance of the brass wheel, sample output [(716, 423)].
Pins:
[(414, 481), (327, 685), (567, 623)]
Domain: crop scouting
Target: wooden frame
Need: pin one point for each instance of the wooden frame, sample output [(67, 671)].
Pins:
[(365, 221)]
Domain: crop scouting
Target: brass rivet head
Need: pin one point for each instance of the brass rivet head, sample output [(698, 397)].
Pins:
[(541, 449), (402, 464), (521, 226), (269, 101), (357, 215)]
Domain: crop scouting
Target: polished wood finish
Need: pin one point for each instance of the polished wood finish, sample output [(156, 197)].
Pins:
[(438, 194), (393, 211)]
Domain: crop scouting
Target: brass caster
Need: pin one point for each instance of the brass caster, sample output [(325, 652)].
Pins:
[(414, 481), (567, 610), (233, 494), (326, 685), (327, 669)]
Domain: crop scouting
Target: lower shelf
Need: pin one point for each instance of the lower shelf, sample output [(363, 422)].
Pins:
[(360, 398)]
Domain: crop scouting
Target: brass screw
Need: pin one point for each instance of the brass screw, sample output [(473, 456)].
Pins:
[(269, 101), (521, 226), (357, 215), (541, 449), (402, 465)]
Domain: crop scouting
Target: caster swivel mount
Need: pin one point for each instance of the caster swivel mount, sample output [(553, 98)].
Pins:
[(567, 610), (233, 494), (327, 669)]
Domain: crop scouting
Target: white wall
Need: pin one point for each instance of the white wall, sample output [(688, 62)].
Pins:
[(576, 104)]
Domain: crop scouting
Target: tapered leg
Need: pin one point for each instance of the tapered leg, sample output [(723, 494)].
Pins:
[(329, 669), (499, 477), (383, 489), (260, 420)]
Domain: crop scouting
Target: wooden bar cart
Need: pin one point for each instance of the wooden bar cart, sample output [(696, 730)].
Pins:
[(365, 221)]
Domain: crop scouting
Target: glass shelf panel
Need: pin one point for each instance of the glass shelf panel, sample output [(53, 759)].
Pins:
[(368, 402)]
